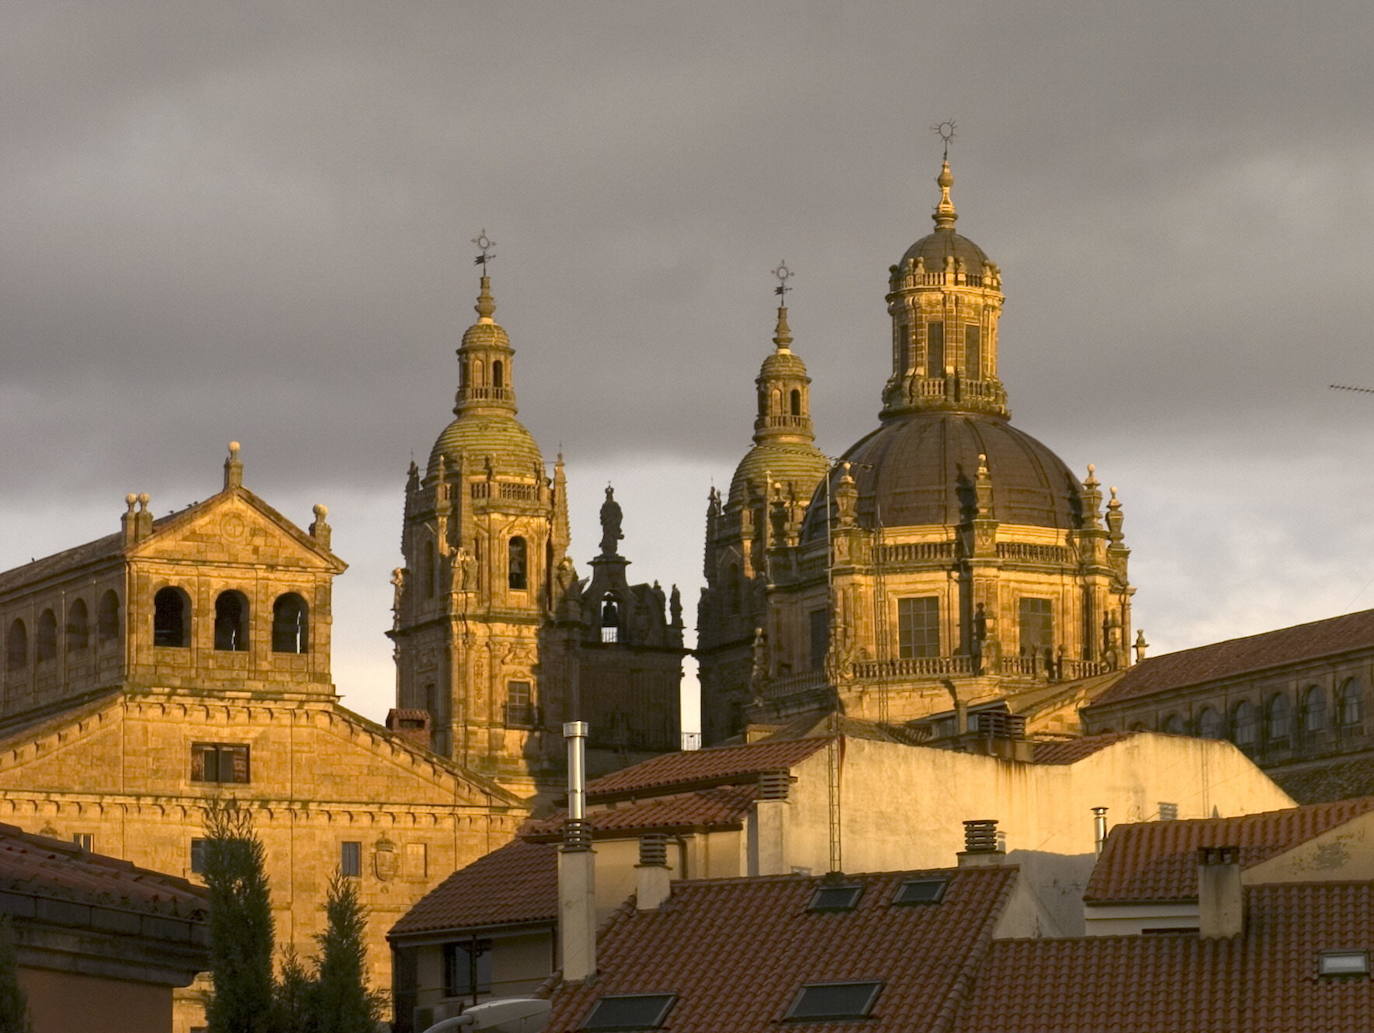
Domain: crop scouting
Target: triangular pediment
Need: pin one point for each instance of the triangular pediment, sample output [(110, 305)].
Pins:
[(235, 527)]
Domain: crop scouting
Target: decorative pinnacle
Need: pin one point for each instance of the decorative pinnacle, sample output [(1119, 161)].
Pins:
[(485, 305), (783, 274), (945, 216), (945, 131), (487, 246), (782, 334)]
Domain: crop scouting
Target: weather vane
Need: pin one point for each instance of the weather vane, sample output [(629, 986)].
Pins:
[(945, 130), (486, 245), (783, 274)]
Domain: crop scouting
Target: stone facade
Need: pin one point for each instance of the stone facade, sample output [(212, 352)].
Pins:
[(497, 639), (946, 560)]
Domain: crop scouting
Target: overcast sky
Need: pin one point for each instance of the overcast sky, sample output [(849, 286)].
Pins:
[(251, 221)]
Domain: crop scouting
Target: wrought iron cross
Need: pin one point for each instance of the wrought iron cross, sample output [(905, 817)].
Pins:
[(945, 130), (783, 274), (487, 247)]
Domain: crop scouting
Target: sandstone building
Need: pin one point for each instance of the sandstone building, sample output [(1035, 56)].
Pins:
[(946, 559)]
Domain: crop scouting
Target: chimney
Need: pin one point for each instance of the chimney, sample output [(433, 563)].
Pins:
[(411, 725), (1220, 899), (576, 868), (1099, 828), (651, 874), (982, 844), (768, 830)]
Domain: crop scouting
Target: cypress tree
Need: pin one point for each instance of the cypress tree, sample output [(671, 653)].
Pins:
[(345, 1004), (14, 1007), (294, 997), (240, 923)]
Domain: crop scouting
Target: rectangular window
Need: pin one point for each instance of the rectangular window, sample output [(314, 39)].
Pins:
[(417, 861), (833, 1001), (197, 857), (935, 349), (1037, 626), (219, 762), (1168, 812), (519, 705), (629, 1012), (973, 351), (918, 626), (351, 859), (920, 891), (819, 642), (467, 968), (85, 840)]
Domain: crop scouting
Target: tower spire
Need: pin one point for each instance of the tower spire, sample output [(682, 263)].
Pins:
[(782, 333), (945, 215), (485, 305)]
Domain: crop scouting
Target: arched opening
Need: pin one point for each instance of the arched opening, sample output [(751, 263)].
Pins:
[(1313, 710), (107, 617), (479, 373), (774, 401), (1244, 728), (78, 626), (498, 374), (796, 402), (516, 564), (45, 642), (1139, 726), (610, 619), (1278, 721), (1350, 705), (732, 588), (1173, 724), (171, 618), (16, 646), (231, 622), (428, 566), (1210, 724), (290, 624)]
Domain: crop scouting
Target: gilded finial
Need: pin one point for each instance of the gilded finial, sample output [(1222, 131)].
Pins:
[(485, 305), (782, 333), (945, 216)]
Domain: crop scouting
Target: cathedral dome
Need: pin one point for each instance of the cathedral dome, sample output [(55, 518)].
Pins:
[(512, 448), (934, 248), (920, 469), (802, 465)]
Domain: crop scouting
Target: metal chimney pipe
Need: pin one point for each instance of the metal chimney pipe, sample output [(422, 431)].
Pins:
[(577, 868), (1099, 827), (576, 734)]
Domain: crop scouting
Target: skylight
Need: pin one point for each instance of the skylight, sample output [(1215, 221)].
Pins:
[(1343, 963), (920, 891), (833, 1001), (836, 898), (629, 1012)]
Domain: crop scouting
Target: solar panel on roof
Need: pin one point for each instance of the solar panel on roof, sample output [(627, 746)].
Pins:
[(629, 1012)]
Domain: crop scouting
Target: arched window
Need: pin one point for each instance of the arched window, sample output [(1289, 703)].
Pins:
[(290, 624), (1210, 724), (516, 564), (498, 374), (231, 622), (1139, 726), (171, 618), (45, 642), (17, 646), (610, 619), (78, 626), (1350, 704), (732, 588), (796, 402), (1173, 724), (1244, 724), (428, 566), (1278, 724), (1313, 709), (774, 401), (479, 373), (107, 617)]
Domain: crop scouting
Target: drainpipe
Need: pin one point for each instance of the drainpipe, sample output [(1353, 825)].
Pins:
[(576, 867)]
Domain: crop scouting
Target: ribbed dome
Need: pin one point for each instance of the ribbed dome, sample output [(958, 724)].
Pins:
[(486, 335), (935, 247), (512, 448), (920, 469), (783, 363), (803, 465)]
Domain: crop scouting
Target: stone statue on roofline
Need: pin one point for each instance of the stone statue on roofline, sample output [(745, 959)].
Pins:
[(611, 517)]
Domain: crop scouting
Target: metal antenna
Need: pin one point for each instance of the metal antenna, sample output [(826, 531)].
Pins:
[(487, 247), (783, 274), (945, 130)]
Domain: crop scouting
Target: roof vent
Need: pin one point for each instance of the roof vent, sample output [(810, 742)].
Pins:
[(774, 785), (653, 849), (998, 724), (983, 843)]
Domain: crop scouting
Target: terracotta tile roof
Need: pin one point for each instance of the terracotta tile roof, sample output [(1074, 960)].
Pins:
[(38, 866), (1335, 780), (1263, 981), (718, 765), (514, 884), (1157, 860), (1071, 751), (736, 951), (721, 807), (1242, 655)]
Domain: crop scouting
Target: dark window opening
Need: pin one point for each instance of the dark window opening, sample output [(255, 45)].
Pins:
[(973, 351), (17, 645), (1279, 723), (498, 374), (197, 857), (231, 622), (836, 898), (1244, 724), (920, 891), (629, 1012), (1173, 724), (467, 968), (351, 859), (819, 641), (45, 642), (1314, 709), (1210, 724), (171, 618), (935, 349), (290, 624), (78, 626), (516, 565), (84, 840), (519, 705), (610, 619), (219, 762), (918, 627), (1350, 705), (1036, 626), (732, 588), (834, 1001), (796, 403)]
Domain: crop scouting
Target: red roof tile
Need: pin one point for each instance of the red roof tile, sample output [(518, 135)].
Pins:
[(736, 951), (718, 765), (1157, 860), (1243, 655), (1263, 981), (43, 867), (1071, 751), (721, 807), (517, 883)]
